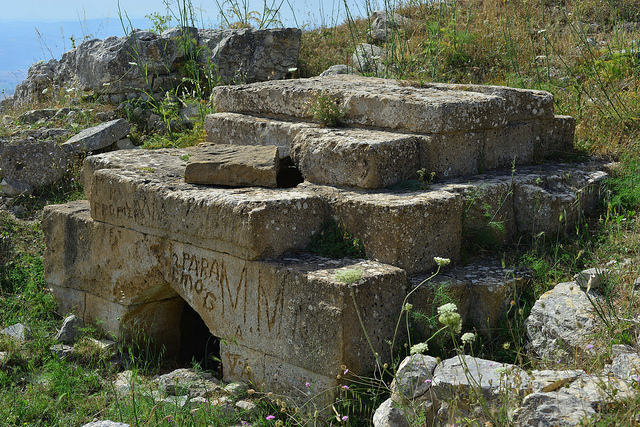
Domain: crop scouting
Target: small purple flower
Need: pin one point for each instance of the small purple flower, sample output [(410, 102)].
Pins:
[(345, 372), (344, 418), (559, 360), (307, 384), (589, 346), (270, 417), (427, 381), (346, 387)]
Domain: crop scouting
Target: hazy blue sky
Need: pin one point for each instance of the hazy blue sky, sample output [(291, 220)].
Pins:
[(38, 10)]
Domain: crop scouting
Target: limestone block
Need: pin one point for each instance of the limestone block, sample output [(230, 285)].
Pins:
[(249, 222), (560, 408), (343, 156), (235, 166), (95, 257), (561, 321), (390, 415), (402, 229), (35, 163), (272, 374), (414, 376), (241, 129), (12, 188), (157, 319), (293, 308), (433, 108), (98, 137)]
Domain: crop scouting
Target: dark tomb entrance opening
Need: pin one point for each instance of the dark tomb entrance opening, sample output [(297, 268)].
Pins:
[(197, 344), (289, 175)]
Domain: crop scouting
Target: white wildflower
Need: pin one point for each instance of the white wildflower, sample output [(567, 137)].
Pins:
[(407, 307), (441, 261), (451, 319), (502, 370), (419, 348), (468, 338), (447, 308)]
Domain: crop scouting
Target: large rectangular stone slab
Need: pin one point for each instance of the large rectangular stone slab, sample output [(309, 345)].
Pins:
[(390, 104), (249, 223), (347, 156), (293, 309), (235, 166), (93, 257), (405, 229)]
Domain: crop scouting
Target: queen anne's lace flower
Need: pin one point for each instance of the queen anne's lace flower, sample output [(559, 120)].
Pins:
[(451, 319), (441, 261), (419, 348), (447, 308), (468, 338)]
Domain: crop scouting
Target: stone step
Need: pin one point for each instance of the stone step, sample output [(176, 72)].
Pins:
[(369, 158), (145, 192), (372, 102)]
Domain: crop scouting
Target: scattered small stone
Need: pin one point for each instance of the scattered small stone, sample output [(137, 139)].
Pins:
[(179, 401), (592, 278), (125, 144), (99, 137), (388, 415), (18, 332), (105, 423), (236, 389), (70, 329), (335, 70), (14, 188), (62, 351)]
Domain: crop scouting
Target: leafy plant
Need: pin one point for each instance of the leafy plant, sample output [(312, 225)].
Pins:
[(328, 110), (334, 241)]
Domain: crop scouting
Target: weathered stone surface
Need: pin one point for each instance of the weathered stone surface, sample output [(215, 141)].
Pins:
[(18, 332), (335, 70), (433, 108), (235, 166), (250, 223), (93, 257), (105, 423), (33, 116), (351, 157), (626, 363), (99, 137), (40, 77), (61, 351), (414, 376), (561, 321), (385, 23), (593, 278), (187, 382), (560, 408), (70, 329), (369, 58), (459, 374), (389, 415), (481, 290), (12, 188), (35, 163), (402, 229)]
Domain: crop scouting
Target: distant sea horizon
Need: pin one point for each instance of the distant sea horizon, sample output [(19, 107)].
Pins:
[(25, 42)]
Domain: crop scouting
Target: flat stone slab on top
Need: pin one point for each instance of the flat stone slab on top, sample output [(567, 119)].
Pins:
[(235, 166), (391, 104)]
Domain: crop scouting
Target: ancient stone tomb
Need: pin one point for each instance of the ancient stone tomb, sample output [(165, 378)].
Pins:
[(147, 246)]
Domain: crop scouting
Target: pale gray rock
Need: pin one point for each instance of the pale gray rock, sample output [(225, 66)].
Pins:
[(335, 70), (461, 373), (369, 58), (18, 332), (99, 137), (123, 383), (384, 23), (36, 164), (39, 78), (179, 401), (33, 116), (559, 408), (237, 389), (186, 382), (125, 144), (389, 415), (233, 165), (247, 406), (593, 278), (105, 423), (626, 363), (414, 376), (70, 330), (11, 188), (561, 321), (62, 350)]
